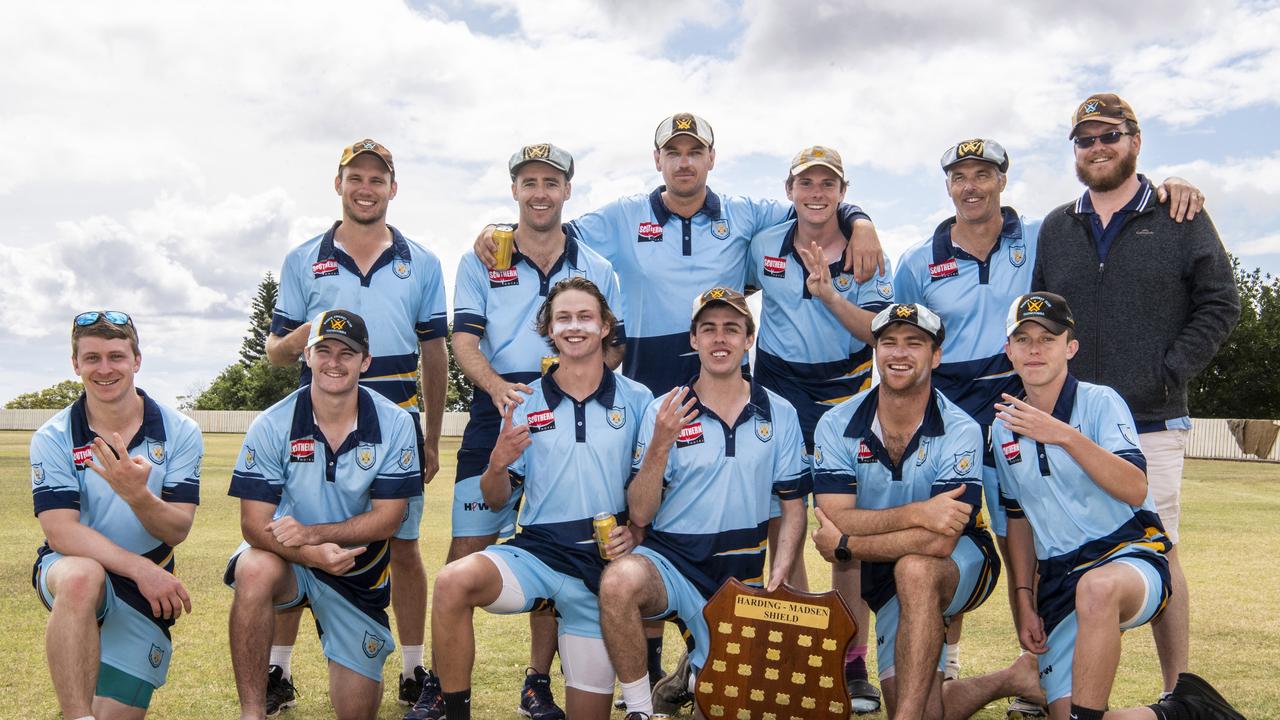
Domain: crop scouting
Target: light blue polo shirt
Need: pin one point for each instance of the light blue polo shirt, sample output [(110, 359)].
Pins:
[(401, 300), (802, 351), (713, 521), (577, 465)]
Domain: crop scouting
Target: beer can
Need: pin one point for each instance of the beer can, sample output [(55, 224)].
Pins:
[(504, 237), (548, 361), (603, 524)]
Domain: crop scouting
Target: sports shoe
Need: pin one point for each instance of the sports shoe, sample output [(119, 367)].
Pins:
[(671, 693), (411, 687), (536, 701), (1195, 697), (646, 716), (1024, 709), (280, 691), (430, 704), (863, 696)]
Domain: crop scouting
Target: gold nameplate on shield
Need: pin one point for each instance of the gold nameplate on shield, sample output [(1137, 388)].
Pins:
[(775, 655)]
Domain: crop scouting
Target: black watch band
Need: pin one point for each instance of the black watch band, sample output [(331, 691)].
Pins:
[(842, 552)]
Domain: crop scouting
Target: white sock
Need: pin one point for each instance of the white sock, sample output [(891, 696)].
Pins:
[(86, 717), (953, 654), (282, 655), (412, 657), (637, 696)]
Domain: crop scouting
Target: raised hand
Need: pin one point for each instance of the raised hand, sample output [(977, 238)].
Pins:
[(512, 439), (508, 393), (674, 413), (1027, 420), (818, 280), (126, 475)]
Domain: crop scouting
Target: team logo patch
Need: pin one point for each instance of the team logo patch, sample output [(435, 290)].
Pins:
[(884, 288), (1012, 452), (250, 458), (365, 454), (864, 453), (1017, 254), (764, 430), (324, 268), (649, 232), (541, 420), (775, 267), (537, 152), (969, 148), (406, 458), (923, 452), (817, 456), (503, 278), (945, 269), (690, 434), (81, 456), (616, 417), (637, 455), (1091, 106), (155, 451), (842, 282), (302, 450), (401, 268), (720, 229), (372, 645), (156, 656), (37, 473), (1126, 432), (964, 462)]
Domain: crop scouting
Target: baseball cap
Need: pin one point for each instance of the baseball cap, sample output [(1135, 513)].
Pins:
[(911, 314), (367, 145), (1049, 310), (815, 156), (720, 295), (684, 124), (544, 153), (341, 325), (983, 149), (1103, 107)]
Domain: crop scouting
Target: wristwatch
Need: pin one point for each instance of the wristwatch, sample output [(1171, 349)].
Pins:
[(842, 552)]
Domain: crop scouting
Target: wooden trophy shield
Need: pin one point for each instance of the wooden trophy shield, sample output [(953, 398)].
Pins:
[(775, 655)]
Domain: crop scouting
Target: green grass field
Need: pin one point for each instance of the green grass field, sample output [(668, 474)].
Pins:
[(1229, 536)]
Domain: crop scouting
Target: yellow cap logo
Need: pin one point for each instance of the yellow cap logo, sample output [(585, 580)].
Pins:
[(715, 294), (534, 152), (905, 311), (1034, 304), (684, 122), (336, 323), (969, 147)]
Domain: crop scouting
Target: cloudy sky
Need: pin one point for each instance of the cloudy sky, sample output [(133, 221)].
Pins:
[(163, 156)]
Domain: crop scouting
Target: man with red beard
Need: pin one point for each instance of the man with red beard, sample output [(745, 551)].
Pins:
[(1110, 252)]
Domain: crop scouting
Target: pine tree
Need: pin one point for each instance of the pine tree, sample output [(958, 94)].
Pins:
[(254, 345)]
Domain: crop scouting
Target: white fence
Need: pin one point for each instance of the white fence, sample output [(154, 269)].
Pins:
[(1210, 439)]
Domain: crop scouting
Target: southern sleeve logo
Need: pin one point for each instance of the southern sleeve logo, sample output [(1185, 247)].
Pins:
[(690, 434), (649, 232), (541, 420)]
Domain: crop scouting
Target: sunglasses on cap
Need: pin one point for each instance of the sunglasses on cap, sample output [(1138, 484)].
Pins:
[(115, 317), (1085, 142)]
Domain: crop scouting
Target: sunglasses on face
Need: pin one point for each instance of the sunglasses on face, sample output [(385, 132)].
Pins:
[(1085, 142), (115, 317)]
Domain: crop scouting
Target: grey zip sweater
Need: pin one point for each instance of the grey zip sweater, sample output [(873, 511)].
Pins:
[(1154, 314)]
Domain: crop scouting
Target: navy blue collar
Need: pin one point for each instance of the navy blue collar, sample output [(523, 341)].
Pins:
[(944, 249), (152, 422), (860, 424), (757, 405), (367, 428), (710, 206), (603, 394), (1066, 399), (328, 247), (569, 255), (789, 248), (1142, 200)]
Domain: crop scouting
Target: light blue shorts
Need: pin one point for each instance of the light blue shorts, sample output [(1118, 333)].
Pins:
[(130, 641), (685, 601), (977, 578), (348, 636), (472, 516), (410, 528), (577, 608), (1055, 663)]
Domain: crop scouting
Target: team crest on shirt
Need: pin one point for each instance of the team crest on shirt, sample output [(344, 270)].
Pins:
[(817, 456), (156, 656), (81, 456), (964, 462), (690, 434), (302, 450), (1126, 432), (196, 472), (637, 455), (923, 452), (616, 417), (720, 229), (764, 430), (365, 454), (503, 278), (372, 645), (541, 420), (250, 457), (406, 458), (37, 473), (324, 268), (864, 453), (649, 232), (884, 288), (945, 269), (155, 451), (401, 268), (1017, 254), (1012, 452), (842, 282)]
